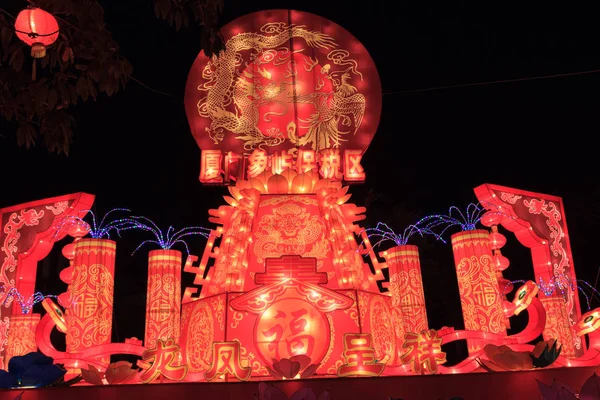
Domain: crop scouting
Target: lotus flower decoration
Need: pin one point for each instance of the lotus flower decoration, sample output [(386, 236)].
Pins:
[(503, 358), (117, 373), (296, 367)]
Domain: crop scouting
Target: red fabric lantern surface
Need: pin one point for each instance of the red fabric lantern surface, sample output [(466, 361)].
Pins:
[(478, 285), (163, 300), (38, 29)]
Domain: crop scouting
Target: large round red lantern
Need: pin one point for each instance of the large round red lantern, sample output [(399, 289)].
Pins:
[(38, 29)]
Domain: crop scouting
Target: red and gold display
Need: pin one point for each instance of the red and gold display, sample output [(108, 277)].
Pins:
[(21, 335), (288, 285), (163, 297), (27, 234), (478, 288), (406, 286), (292, 81), (89, 320)]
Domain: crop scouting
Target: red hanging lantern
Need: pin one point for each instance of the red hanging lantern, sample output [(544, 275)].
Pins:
[(38, 29)]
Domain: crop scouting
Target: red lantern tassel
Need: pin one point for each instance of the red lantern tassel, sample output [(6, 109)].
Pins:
[(33, 70)]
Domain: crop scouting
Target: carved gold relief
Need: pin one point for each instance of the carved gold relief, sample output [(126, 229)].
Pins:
[(290, 229)]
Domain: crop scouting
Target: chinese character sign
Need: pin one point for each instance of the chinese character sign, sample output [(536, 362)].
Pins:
[(258, 162), (291, 327), (160, 361), (163, 296), (477, 284), (226, 361), (334, 164), (210, 166), (90, 318), (330, 164), (359, 355), (423, 350)]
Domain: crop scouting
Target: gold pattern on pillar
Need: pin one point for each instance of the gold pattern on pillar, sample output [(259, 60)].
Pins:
[(163, 301), (21, 335), (480, 299), (406, 286), (91, 293)]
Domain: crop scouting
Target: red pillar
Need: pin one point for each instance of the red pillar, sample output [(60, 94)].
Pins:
[(477, 283), (406, 286), (163, 300)]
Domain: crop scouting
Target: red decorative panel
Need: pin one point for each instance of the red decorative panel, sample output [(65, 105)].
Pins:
[(202, 323), (479, 294), (163, 298), (289, 225), (384, 323), (538, 221), (27, 234)]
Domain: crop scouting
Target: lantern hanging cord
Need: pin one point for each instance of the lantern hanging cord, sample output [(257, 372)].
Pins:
[(34, 35), (7, 13), (142, 84), (531, 78)]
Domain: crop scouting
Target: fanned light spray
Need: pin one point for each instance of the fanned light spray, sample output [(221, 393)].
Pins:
[(25, 304), (166, 240), (467, 221), (99, 228), (382, 232)]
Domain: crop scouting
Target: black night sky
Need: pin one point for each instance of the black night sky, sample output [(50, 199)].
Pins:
[(432, 147)]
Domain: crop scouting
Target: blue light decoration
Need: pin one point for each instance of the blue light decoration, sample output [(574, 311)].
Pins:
[(587, 286), (426, 225), (166, 240), (26, 305), (99, 228), (467, 221), (384, 233)]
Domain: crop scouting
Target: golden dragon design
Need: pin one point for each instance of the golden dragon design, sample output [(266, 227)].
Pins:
[(225, 85)]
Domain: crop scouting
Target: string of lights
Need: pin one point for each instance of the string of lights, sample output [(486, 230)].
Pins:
[(587, 286), (561, 284), (467, 220), (384, 233), (25, 304), (166, 240)]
